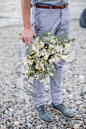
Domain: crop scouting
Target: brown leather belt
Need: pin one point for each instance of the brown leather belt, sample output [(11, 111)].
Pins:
[(52, 7)]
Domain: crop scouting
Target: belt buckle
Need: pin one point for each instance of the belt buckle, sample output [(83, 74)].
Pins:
[(62, 7)]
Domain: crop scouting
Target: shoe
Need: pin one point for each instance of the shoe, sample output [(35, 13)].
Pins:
[(64, 111), (44, 114)]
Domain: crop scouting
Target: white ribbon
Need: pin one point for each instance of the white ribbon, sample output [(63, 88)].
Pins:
[(22, 93)]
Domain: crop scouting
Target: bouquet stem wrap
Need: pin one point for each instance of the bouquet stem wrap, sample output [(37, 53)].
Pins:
[(22, 94)]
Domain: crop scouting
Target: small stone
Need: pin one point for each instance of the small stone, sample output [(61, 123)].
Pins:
[(22, 122), (82, 78), (38, 122), (78, 117), (62, 121), (78, 102), (84, 122), (5, 75), (57, 118), (2, 110), (24, 110), (76, 126), (16, 123), (34, 114), (54, 127), (84, 96), (49, 103), (3, 127), (11, 118), (70, 96), (29, 125), (38, 127), (29, 117), (11, 109), (80, 122), (71, 124)]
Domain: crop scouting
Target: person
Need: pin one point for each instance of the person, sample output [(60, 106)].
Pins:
[(47, 14)]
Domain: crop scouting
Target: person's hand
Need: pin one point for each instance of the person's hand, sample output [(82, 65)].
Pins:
[(27, 35)]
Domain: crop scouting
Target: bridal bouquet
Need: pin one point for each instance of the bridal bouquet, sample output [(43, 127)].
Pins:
[(43, 55)]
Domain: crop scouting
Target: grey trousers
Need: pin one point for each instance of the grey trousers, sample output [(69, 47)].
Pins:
[(42, 20)]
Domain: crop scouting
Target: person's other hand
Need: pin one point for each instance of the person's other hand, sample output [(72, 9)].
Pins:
[(27, 36)]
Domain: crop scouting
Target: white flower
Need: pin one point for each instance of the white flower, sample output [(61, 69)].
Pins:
[(51, 74), (56, 58), (67, 46), (45, 57), (30, 62), (51, 61), (52, 41), (39, 65), (47, 53), (37, 39), (48, 69), (51, 46), (69, 58), (25, 63), (61, 49), (41, 44), (43, 52), (36, 76), (57, 48), (35, 47), (31, 78)]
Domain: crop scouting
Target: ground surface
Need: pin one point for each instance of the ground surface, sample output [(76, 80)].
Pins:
[(18, 114)]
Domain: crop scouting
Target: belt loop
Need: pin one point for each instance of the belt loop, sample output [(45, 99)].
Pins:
[(50, 8)]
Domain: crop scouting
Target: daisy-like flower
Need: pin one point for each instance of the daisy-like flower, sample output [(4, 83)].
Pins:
[(67, 47), (51, 46), (52, 41), (25, 63), (41, 44), (45, 57), (57, 59), (57, 48), (51, 74), (61, 49), (69, 58), (35, 47), (51, 61), (43, 52), (39, 65), (30, 62)]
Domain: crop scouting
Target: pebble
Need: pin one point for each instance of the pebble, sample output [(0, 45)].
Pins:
[(38, 122), (16, 123), (3, 127), (76, 126), (71, 124), (82, 78), (49, 103), (29, 125), (2, 110), (11, 118), (38, 127), (70, 96)]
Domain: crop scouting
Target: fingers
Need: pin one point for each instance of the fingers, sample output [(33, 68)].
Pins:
[(26, 41), (30, 40), (34, 35), (23, 40)]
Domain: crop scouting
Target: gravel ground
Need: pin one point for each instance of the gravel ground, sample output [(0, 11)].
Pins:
[(16, 113)]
